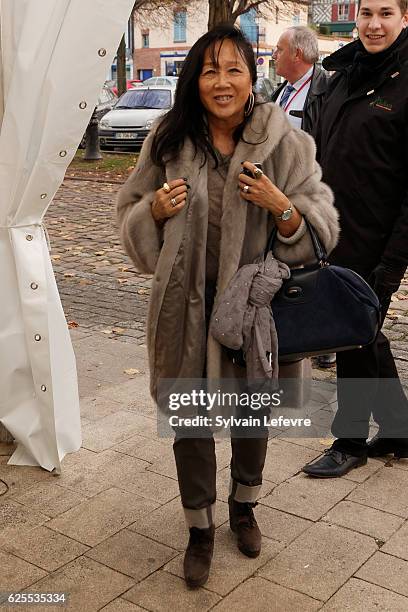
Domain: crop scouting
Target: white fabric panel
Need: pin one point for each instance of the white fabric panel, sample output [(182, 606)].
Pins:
[(54, 54)]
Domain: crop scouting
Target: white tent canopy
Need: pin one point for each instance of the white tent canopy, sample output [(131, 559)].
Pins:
[(54, 55)]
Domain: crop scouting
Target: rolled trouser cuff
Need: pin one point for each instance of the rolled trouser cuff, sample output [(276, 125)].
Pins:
[(243, 493), (202, 518)]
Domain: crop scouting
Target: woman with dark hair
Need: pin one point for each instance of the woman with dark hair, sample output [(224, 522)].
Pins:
[(190, 215)]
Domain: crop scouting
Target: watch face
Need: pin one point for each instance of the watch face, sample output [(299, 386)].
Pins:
[(286, 215)]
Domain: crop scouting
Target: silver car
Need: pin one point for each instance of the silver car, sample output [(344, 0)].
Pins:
[(128, 124)]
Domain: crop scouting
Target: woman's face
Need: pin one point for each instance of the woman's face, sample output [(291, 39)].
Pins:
[(379, 23), (224, 88)]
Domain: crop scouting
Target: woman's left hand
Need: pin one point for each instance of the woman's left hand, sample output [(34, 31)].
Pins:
[(262, 192)]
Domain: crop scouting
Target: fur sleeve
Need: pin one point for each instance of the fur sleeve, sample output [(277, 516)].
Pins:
[(298, 175), (140, 234)]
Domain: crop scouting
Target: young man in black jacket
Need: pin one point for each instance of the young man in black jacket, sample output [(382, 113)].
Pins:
[(362, 141)]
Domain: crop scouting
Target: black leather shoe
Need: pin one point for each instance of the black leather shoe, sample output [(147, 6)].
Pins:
[(327, 361), (380, 447), (333, 464)]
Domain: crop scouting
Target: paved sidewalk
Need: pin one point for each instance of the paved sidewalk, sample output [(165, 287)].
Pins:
[(110, 530)]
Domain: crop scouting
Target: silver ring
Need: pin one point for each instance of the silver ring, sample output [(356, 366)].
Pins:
[(173, 202), (257, 173), (246, 189), (166, 187)]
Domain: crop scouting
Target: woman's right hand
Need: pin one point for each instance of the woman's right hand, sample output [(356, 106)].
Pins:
[(169, 200)]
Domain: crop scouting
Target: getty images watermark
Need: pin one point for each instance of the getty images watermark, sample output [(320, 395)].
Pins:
[(204, 403)]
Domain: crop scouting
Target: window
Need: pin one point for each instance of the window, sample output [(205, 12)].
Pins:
[(145, 98), (180, 25), (343, 13), (145, 39), (248, 24)]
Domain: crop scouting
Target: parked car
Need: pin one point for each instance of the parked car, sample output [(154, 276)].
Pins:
[(129, 84), (263, 89), (170, 81), (106, 101), (128, 124)]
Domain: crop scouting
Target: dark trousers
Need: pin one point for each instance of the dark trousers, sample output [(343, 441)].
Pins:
[(195, 457), (368, 382), (196, 467)]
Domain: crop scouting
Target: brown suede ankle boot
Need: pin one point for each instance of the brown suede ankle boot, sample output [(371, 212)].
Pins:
[(197, 560), (243, 523)]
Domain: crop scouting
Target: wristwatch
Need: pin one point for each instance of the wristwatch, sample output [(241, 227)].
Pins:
[(286, 214)]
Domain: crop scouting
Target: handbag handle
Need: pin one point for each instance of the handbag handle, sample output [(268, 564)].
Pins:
[(320, 251)]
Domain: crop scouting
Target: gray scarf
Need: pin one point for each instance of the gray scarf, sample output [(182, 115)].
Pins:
[(242, 317)]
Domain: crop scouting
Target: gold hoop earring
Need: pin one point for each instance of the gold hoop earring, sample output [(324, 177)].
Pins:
[(250, 103)]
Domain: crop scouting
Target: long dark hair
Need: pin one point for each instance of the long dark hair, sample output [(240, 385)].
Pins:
[(187, 117)]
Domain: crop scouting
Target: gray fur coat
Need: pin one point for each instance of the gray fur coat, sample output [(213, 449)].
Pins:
[(176, 255)]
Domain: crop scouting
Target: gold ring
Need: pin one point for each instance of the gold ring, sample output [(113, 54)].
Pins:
[(166, 187), (246, 189), (173, 202), (257, 173)]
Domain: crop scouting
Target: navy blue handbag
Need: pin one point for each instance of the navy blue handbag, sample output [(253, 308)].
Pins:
[(323, 308)]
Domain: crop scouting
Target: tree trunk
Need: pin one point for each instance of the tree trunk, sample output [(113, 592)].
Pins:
[(219, 12), (121, 67)]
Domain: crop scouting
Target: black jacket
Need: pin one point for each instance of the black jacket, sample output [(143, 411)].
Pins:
[(313, 103), (362, 141)]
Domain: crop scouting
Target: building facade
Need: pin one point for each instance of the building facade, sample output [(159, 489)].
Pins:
[(161, 50), (336, 18)]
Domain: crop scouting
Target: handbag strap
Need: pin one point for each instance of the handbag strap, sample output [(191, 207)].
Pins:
[(320, 251)]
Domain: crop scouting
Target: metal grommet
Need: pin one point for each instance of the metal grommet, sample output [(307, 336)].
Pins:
[(37, 337), (62, 153), (43, 388), (34, 286), (29, 237), (102, 52), (43, 196), (83, 104)]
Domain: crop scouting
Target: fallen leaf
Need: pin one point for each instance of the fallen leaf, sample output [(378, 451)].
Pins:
[(131, 371), (72, 324), (143, 291), (69, 274), (326, 441), (55, 257)]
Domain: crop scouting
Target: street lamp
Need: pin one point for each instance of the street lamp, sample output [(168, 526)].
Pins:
[(257, 36)]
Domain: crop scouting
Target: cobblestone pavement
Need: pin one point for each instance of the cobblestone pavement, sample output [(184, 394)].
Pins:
[(109, 531), (100, 289)]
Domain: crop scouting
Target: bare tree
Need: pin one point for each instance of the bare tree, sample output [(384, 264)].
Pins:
[(228, 11), (121, 67)]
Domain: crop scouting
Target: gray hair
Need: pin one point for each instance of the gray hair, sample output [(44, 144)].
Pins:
[(305, 39)]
